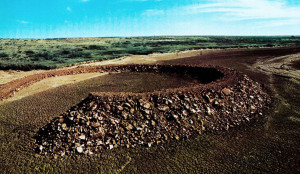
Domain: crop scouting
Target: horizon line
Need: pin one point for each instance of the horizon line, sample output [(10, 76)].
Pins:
[(48, 38)]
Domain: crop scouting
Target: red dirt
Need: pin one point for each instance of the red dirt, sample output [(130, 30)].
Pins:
[(238, 59)]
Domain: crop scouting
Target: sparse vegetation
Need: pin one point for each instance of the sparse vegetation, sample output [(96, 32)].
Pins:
[(27, 54), (2, 55)]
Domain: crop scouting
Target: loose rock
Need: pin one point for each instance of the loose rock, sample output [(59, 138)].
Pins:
[(106, 121), (226, 91)]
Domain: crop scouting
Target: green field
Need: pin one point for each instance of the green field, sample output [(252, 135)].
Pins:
[(27, 54)]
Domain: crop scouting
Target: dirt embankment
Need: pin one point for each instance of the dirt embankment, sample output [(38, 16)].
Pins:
[(223, 100)]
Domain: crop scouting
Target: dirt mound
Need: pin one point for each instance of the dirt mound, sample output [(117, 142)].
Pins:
[(223, 100)]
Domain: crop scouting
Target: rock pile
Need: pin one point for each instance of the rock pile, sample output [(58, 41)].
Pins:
[(111, 120)]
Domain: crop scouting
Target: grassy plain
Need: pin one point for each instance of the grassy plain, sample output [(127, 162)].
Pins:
[(28, 54)]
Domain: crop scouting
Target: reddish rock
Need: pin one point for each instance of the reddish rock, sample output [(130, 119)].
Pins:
[(110, 120), (226, 91)]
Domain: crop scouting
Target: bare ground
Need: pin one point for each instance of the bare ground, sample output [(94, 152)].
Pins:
[(283, 66), (270, 145), (51, 83)]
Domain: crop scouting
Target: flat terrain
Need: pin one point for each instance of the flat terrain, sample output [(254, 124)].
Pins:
[(28, 54), (270, 145)]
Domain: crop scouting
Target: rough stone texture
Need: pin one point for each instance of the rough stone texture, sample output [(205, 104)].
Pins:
[(111, 120)]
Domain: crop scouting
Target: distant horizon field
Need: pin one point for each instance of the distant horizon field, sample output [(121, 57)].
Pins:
[(29, 54), (137, 36)]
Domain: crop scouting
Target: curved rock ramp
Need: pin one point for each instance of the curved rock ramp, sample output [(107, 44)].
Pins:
[(223, 99)]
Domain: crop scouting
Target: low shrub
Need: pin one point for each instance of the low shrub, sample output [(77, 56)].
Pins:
[(3, 55), (29, 52), (96, 47)]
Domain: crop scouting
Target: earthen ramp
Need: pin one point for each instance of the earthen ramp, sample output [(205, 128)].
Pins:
[(223, 99)]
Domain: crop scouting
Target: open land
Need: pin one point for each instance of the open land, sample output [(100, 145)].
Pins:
[(269, 145), (28, 54)]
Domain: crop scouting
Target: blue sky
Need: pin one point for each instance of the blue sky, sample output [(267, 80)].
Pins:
[(102, 18)]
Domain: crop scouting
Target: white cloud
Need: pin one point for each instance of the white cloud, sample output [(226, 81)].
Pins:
[(277, 23), (69, 9), (273, 10), (23, 22), (143, 0), (153, 12)]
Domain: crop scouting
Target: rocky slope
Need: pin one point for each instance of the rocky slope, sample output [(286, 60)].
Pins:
[(223, 100)]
